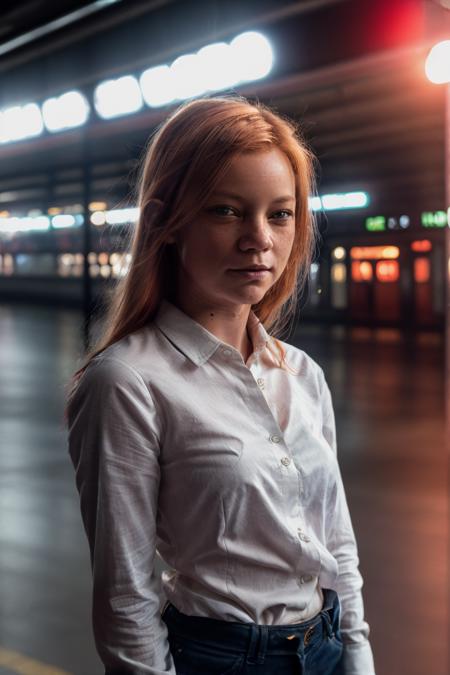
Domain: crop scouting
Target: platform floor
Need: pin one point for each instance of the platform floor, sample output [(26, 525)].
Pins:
[(388, 391)]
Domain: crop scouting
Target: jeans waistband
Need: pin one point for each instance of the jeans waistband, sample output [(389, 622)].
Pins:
[(255, 638)]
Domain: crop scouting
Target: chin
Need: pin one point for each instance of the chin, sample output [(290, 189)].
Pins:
[(251, 298)]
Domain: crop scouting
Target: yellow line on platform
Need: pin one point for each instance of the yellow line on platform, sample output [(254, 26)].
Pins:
[(23, 665)]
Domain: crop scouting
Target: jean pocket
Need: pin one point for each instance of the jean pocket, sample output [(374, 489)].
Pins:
[(203, 658), (326, 659)]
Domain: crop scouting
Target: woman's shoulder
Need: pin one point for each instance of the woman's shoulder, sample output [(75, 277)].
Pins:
[(119, 365), (300, 360), (302, 365), (132, 353)]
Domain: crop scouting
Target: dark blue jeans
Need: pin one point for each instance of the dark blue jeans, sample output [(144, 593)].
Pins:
[(203, 646)]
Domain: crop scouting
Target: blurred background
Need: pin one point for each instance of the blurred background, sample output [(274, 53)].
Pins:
[(82, 87)]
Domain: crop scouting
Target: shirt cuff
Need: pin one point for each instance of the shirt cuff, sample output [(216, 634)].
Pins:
[(358, 659)]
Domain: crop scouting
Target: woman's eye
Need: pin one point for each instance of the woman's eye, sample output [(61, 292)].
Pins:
[(222, 210), (282, 215)]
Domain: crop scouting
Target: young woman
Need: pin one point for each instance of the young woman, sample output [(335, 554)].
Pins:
[(198, 435)]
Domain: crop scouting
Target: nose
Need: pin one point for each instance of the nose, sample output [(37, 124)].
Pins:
[(256, 235)]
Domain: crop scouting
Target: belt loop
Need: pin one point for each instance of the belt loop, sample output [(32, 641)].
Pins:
[(257, 647), (326, 619), (264, 642)]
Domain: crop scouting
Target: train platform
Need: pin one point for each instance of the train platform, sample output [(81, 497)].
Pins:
[(388, 392)]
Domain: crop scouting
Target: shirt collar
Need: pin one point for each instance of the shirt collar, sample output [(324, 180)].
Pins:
[(194, 341)]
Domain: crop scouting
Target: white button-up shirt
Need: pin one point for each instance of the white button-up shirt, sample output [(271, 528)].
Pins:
[(228, 471)]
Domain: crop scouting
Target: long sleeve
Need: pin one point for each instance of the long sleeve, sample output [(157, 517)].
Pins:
[(341, 542), (114, 447)]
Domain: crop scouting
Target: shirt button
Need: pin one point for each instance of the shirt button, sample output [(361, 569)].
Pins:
[(285, 461), (226, 352), (305, 578), (302, 536), (275, 439), (260, 382)]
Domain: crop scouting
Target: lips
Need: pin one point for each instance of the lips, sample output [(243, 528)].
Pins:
[(252, 268)]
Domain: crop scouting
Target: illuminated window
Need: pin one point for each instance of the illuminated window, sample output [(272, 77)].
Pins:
[(421, 270), (97, 206), (421, 245), (92, 258), (105, 271), (115, 258), (8, 264), (338, 285), (362, 271), (66, 259), (338, 273), (339, 253), (387, 270), (314, 284), (103, 258), (70, 264)]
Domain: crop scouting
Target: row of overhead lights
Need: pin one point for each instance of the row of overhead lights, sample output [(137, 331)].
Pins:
[(215, 67), (101, 216), (218, 66), (13, 224)]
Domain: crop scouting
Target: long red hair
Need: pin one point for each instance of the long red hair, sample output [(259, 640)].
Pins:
[(185, 160)]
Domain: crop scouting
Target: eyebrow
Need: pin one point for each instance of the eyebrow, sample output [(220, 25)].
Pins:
[(232, 195)]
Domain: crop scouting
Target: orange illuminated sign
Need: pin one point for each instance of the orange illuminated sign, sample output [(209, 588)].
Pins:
[(374, 252), (421, 245)]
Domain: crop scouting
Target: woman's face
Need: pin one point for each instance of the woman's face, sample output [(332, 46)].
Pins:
[(248, 222)]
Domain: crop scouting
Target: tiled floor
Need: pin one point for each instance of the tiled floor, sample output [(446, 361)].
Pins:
[(388, 392)]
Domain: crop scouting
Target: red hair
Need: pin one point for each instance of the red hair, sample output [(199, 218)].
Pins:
[(185, 160)]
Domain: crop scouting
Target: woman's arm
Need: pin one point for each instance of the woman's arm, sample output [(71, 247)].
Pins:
[(114, 446), (341, 542)]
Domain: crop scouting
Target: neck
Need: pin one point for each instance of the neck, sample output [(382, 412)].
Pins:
[(228, 324)]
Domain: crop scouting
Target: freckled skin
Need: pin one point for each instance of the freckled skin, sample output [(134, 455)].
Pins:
[(250, 227)]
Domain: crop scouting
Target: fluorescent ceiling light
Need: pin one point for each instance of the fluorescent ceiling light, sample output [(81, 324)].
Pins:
[(437, 65), (66, 111), (253, 52), (157, 86), (214, 67), (20, 122), (114, 98)]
